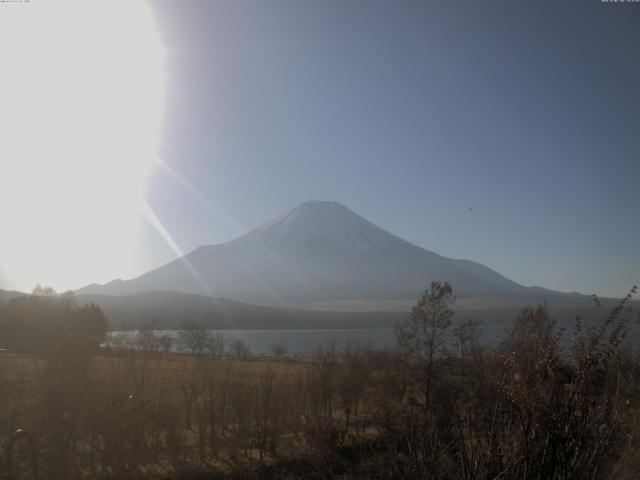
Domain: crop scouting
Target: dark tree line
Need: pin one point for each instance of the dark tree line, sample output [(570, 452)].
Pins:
[(45, 321)]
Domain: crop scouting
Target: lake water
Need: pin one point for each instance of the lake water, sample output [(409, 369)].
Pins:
[(307, 341), (299, 341)]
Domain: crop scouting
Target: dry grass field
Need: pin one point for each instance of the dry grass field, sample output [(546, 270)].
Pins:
[(440, 405)]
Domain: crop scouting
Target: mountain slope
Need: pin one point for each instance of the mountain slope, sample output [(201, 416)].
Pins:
[(320, 251)]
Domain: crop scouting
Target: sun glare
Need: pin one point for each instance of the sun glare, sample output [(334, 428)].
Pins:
[(81, 99)]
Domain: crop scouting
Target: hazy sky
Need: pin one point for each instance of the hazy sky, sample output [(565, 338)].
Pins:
[(412, 113), (503, 132)]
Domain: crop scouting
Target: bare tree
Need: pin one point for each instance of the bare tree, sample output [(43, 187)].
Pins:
[(43, 291), (216, 344), (424, 333), (240, 348), (147, 339), (194, 337)]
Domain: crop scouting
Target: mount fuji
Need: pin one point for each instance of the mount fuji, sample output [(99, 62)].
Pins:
[(319, 252)]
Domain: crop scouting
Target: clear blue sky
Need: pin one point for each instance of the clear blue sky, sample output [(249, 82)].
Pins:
[(411, 113)]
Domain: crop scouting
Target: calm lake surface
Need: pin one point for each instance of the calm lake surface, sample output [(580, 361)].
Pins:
[(296, 341), (306, 341)]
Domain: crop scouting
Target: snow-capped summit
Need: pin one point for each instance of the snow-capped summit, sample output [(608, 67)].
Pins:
[(320, 221), (319, 251)]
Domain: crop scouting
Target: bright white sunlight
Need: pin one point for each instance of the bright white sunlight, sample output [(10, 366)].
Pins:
[(81, 100)]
